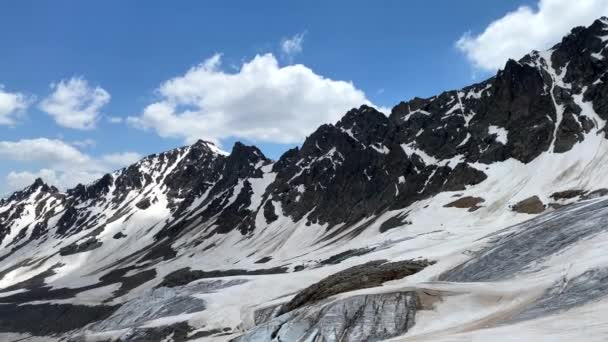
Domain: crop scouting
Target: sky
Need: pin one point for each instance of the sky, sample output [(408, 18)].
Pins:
[(88, 87)]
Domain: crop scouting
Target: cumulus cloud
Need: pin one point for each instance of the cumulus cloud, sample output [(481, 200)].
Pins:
[(75, 104), (19, 180), (115, 119), (526, 29), (84, 143), (42, 149), (121, 159), (12, 105), (262, 101), (292, 46), (56, 162)]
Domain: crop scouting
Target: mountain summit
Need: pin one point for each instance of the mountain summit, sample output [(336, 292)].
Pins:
[(440, 198)]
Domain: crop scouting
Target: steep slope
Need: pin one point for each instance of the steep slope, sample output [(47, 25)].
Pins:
[(196, 244)]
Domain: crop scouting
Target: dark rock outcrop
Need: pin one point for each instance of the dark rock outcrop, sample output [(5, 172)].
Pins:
[(567, 194), (393, 222), (338, 258), (370, 274), (49, 319), (84, 246), (468, 202), (530, 205), (185, 276)]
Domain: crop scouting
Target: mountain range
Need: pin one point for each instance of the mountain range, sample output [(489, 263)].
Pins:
[(476, 214)]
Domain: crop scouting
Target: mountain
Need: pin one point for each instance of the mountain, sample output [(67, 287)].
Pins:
[(475, 214)]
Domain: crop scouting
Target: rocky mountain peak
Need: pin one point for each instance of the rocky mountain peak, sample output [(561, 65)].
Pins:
[(366, 125), (361, 116), (37, 186), (93, 190), (42, 185), (38, 182), (245, 161), (250, 153), (531, 106), (208, 146)]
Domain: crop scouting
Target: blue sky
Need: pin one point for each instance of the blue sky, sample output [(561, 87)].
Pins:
[(74, 67)]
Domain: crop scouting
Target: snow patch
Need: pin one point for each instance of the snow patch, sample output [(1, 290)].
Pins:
[(500, 132)]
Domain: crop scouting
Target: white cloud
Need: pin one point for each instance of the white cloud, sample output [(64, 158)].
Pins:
[(75, 104), (115, 119), (121, 159), (84, 143), (56, 162), (19, 180), (527, 29), (12, 105), (260, 102), (42, 149), (292, 46)]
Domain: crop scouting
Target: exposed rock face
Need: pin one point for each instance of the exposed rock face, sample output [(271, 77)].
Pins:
[(531, 205), (359, 318), (567, 194), (49, 318), (394, 222), (595, 194), (468, 202), (86, 245), (531, 106), (361, 163), (39, 199), (185, 276), (370, 274), (347, 163), (338, 258)]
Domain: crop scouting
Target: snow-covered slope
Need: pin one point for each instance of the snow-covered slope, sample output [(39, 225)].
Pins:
[(499, 186)]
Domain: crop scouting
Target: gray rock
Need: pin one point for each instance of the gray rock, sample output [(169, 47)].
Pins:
[(370, 274), (467, 202), (530, 205), (568, 194)]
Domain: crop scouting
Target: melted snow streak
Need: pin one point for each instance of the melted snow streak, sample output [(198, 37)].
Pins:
[(501, 185)]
